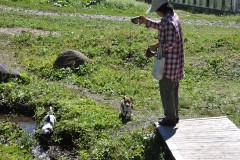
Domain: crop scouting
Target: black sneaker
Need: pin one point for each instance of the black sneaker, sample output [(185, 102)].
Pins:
[(177, 119), (167, 122), (161, 118)]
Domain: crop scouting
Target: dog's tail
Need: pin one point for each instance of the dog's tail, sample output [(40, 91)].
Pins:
[(51, 111)]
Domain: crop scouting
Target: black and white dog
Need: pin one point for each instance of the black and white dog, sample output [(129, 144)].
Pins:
[(126, 107), (49, 123)]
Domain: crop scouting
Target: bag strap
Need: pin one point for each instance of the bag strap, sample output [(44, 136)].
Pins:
[(160, 54)]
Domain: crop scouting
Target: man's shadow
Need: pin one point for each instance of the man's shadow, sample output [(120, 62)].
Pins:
[(157, 148), (167, 131)]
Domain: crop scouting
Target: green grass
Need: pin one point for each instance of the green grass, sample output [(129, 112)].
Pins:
[(110, 7), (19, 143), (210, 87), (106, 7)]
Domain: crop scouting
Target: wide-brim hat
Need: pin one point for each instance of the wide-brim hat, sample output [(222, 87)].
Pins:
[(155, 5)]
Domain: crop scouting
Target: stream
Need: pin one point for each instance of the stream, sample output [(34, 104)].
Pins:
[(26, 123), (29, 126)]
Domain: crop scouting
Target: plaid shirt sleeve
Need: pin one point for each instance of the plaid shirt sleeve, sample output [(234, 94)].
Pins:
[(153, 24), (171, 40)]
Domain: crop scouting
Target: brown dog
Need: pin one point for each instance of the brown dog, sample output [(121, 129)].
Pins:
[(126, 107)]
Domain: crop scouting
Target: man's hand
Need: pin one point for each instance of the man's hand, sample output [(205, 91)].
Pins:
[(153, 47)]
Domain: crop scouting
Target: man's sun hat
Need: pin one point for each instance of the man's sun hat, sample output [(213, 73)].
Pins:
[(155, 5)]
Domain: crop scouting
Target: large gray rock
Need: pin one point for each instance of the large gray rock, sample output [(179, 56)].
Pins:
[(70, 58), (7, 72)]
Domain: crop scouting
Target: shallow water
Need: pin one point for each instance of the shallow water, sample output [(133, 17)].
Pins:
[(54, 152), (26, 123), (29, 126)]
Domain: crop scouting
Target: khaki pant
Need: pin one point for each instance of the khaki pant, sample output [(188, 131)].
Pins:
[(169, 96)]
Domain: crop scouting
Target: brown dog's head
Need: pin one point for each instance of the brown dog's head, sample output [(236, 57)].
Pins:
[(127, 101)]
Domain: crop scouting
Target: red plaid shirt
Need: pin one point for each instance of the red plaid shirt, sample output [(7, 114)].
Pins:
[(171, 41)]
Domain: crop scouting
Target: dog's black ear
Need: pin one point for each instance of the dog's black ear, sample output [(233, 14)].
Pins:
[(124, 97)]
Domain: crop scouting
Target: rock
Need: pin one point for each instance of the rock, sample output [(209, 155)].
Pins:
[(70, 58), (7, 72)]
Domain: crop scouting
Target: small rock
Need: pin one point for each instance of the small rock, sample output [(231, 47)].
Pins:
[(70, 58)]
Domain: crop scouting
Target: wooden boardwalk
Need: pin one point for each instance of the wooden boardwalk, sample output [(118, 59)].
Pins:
[(211, 138)]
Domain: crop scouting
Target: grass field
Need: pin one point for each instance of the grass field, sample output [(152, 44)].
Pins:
[(92, 128)]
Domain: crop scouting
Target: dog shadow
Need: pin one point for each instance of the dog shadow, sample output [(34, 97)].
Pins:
[(45, 141), (124, 119)]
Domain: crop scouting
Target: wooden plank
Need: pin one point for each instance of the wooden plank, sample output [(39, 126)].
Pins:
[(203, 138)]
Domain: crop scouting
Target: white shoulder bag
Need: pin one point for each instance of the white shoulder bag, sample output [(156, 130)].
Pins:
[(158, 66)]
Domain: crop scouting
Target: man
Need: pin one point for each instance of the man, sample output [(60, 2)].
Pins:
[(170, 41)]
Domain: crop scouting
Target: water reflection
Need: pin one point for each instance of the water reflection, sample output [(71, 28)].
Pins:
[(26, 123)]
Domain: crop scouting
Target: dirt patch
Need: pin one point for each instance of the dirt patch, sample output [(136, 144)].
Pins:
[(7, 55), (19, 30)]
